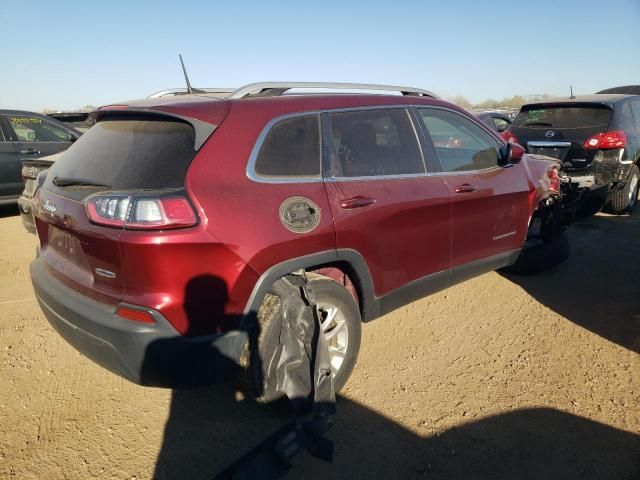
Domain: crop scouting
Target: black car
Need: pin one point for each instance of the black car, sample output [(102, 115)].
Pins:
[(27, 135), (626, 89), (597, 139), (497, 121), (80, 121)]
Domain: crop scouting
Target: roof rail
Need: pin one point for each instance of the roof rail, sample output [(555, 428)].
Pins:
[(183, 91), (279, 88)]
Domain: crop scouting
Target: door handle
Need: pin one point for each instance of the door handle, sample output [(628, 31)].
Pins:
[(356, 202), (30, 151), (465, 188)]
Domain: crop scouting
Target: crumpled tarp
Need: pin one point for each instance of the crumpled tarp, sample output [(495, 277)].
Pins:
[(303, 374)]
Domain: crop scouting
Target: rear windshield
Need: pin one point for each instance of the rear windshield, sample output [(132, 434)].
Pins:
[(130, 154), (563, 116)]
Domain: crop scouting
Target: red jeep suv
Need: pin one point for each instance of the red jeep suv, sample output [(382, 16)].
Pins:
[(164, 227)]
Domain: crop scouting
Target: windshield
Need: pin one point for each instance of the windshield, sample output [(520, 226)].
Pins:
[(563, 116)]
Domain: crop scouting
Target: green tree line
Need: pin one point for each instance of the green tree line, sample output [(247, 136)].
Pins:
[(515, 101)]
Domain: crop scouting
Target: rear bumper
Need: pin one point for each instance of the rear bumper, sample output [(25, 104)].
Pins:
[(154, 355), (26, 213)]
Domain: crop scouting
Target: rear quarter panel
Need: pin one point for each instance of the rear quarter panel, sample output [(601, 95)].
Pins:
[(243, 215)]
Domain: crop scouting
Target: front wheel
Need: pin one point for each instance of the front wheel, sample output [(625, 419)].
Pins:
[(340, 321), (625, 200)]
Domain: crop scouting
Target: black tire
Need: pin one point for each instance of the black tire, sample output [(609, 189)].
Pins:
[(625, 200), (538, 258), (270, 321), (590, 207)]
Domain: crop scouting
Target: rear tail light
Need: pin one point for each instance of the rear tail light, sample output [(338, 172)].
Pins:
[(554, 179), (141, 211), (613, 139), (29, 172), (509, 137)]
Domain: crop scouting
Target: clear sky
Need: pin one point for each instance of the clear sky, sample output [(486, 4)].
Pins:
[(66, 54)]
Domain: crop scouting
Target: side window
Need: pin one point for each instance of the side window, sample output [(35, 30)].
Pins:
[(374, 142), (635, 108), (461, 145), (291, 149), (35, 129), (500, 123)]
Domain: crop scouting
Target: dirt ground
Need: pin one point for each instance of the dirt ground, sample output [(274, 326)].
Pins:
[(499, 377)]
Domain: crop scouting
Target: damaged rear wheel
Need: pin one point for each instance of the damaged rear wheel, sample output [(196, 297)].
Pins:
[(340, 321)]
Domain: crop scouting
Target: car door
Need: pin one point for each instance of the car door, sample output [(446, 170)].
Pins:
[(36, 136), (635, 129), (10, 169), (384, 204), (490, 209)]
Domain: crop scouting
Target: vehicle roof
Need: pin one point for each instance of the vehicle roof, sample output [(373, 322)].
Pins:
[(21, 112), (604, 98), (492, 113), (626, 89), (207, 109), (218, 92), (51, 119), (169, 99)]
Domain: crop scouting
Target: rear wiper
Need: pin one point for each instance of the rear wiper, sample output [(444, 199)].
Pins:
[(542, 124), (69, 182)]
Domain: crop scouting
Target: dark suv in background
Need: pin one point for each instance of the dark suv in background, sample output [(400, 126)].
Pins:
[(163, 229), (597, 139), (27, 135)]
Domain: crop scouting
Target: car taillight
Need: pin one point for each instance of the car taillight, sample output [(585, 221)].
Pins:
[(509, 137), (29, 172), (140, 211), (601, 141), (554, 179)]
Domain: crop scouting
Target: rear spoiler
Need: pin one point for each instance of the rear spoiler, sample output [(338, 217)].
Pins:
[(202, 130)]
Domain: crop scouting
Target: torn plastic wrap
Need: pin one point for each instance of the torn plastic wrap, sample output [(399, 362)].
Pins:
[(303, 374)]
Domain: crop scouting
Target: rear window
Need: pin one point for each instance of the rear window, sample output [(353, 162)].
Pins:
[(130, 154), (561, 116)]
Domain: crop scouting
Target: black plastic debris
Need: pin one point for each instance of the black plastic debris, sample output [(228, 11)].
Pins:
[(303, 374)]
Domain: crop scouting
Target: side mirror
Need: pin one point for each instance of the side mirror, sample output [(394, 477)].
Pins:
[(72, 137), (510, 154)]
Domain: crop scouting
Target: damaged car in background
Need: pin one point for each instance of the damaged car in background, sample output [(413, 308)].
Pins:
[(30, 171), (164, 229), (597, 140), (80, 122)]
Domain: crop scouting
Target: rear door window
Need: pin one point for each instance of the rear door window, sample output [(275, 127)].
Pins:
[(461, 144), (291, 148), (35, 129), (373, 143), (563, 116)]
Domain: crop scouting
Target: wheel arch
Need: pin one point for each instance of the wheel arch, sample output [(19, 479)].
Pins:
[(347, 261)]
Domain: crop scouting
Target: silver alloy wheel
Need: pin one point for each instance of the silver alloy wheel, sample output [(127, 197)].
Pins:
[(633, 192), (334, 327)]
